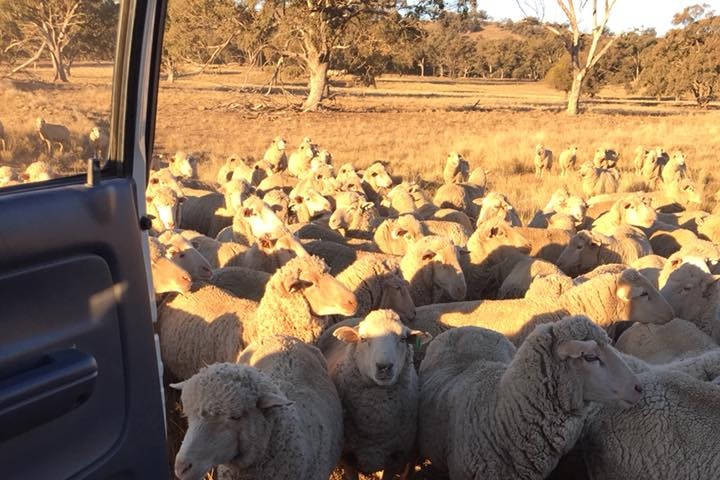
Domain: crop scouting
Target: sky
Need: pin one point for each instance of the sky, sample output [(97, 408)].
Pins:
[(626, 15)]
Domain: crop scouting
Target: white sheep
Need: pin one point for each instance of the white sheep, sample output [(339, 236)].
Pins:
[(168, 276), (99, 142), (278, 416), (52, 134), (181, 251), (596, 181), (561, 202), (432, 267), (632, 209), (8, 176), (605, 158), (659, 344), (607, 299), (275, 155), (183, 165), (163, 207), (459, 196), (354, 217), (375, 182), (486, 417), (456, 169), (542, 160), (38, 171), (670, 433), (371, 365), (588, 249), (495, 205), (299, 161), (567, 160), (675, 169)]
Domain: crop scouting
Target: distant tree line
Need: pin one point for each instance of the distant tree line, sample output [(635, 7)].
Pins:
[(368, 38)]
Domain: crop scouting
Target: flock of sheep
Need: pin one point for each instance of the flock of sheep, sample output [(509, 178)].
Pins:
[(324, 322)]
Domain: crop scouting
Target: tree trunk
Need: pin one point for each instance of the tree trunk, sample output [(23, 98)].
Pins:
[(573, 106), (318, 81), (58, 66), (422, 67)]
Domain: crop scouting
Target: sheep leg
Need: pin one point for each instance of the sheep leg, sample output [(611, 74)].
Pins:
[(62, 148), (3, 144)]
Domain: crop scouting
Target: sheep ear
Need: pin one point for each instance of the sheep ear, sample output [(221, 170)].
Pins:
[(628, 292), (367, 205), (148, 198), (428, 255), (178, 385), (710, 286), (154, 181), (296, 285), (575, 348), (347, 334), (478, 201), (417, 338), (181, 199), (270, 400), (398, 232)]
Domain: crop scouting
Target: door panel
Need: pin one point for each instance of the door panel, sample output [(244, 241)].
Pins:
[(79, 386)]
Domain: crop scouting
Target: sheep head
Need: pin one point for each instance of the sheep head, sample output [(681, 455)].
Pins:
[(640, 299)]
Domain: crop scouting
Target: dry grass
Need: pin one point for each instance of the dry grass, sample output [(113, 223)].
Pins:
[(410, 122)]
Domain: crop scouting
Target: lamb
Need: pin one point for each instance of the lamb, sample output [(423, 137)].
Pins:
[(99, 142), (241, 282), (567, 160), (432, 267), (607, 299), (694, 295), (210, 325), (675, 169), (542, 160), (596, 181), (496, 206), (633, 209), (456, 169), (375, 182), (275, 155), (377, 284), (588, 249), (490, 418), (659, 344), (371, 365), (51, 133), (277, 416), (670, 433)]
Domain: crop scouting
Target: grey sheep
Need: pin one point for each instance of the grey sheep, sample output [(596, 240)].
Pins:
[(278, 416), (489, 418), (371, 365)]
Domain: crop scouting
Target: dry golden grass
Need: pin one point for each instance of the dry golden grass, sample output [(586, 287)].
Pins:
[(410, 122)]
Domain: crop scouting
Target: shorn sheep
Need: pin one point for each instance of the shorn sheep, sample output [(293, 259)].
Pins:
[(52, 134), (372, 367), (278, 416), (542, 160), (482, 416)]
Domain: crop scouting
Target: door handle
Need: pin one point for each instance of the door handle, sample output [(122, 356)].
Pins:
[(58, 383)]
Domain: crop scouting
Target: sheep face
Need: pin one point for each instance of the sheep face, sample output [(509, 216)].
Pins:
[(382, 345), (164, 205), (279, 144), (184, 254), (642, 301), (634, 210), (495, 235), (605, 376), (377, 176), (396, 296), (447, 275), (356, 216), (261, 218), (495, 206), (167, 275), (689, 290), (184, 165), (236, 191), (229, 410), (324, 294), (281, 249), (315, 203), (345, 171), (582, 253), (165, 178), (684, 192)]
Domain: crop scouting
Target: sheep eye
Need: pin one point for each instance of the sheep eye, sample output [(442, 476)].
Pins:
[(579, 247), (236, 417), (644, 294), (182, 255), (589, 357), (374, 174)]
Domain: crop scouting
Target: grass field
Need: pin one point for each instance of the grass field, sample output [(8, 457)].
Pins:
[(409, 121)]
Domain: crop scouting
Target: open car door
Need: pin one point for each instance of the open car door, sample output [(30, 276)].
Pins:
[(80, 393)]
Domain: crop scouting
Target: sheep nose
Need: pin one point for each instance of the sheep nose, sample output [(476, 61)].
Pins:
[(182, 467), (638, 388), (171, 225), (385, 368)]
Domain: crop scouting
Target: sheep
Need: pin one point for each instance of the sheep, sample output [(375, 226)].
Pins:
[(275, 155), (492, 417), (371, 365), (298, 297), (181, 251), (432, 267), (393, 235), (670, 433), (650, 267), (270, 252), (456, 169), (633, 209), (227, 169), (639, 161), (165, 178), (399, 200), (51, 134), (553, 286), (2, 137), (167, 276), (377, 284), (375, 182), (588, 249), (694, 294), (496, 205), (659, 344), (235, 191), (563, 203), (545, 243), (683, 192), (458, 196), (199, 212), (597, 180), (675, 169), (355, 217), (607, 299), (279, 202), (299, 161), (261, 218), (241, 282), (164, 208), (8, 176), (542, 160), (276, 416), (567, 160), (99, 142), (605, 158), (517, 282), (322, 158), (218, 254), (652, 167), (308, 204), (182, 165), (38, 171), (666, 243)]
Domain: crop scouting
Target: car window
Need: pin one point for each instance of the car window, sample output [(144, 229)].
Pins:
[(56, 67)]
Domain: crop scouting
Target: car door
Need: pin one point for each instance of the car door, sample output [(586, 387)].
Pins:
[(80, 393)]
